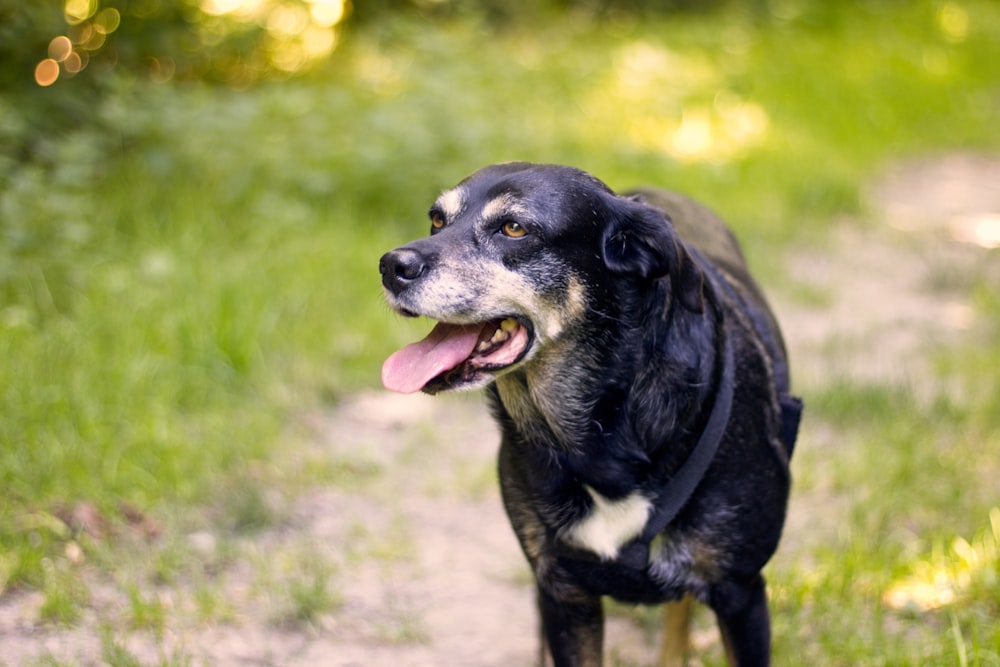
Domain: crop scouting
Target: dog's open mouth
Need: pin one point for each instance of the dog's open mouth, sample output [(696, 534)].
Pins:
[(456, 355)]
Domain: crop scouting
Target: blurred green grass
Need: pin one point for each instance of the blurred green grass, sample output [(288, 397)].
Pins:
[(176, 290)]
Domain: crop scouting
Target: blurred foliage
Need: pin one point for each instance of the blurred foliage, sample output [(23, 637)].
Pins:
[(784, 115), (218, 40), (507, 13), (69, 65)]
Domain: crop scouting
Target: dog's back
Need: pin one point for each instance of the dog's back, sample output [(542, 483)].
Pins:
[(702, 229)]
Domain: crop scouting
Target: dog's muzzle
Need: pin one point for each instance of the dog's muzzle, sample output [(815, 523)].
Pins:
[(464, 350)]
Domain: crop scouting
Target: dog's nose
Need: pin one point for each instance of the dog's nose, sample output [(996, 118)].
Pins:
[(401, 267)]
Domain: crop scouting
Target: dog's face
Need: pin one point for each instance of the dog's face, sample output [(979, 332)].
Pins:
[(516, 257)]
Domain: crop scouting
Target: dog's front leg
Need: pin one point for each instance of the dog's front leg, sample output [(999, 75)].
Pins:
[(745, 624), (573, 632)]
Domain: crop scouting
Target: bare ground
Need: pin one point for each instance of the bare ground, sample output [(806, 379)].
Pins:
[(408, 558)]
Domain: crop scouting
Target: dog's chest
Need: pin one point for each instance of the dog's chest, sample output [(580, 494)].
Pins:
[(609, 524), (587, 498), (559, 515)]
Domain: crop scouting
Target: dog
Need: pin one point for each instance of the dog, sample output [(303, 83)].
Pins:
[(640, 383)]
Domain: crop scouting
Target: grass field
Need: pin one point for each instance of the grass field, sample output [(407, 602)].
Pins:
[(180, 281)]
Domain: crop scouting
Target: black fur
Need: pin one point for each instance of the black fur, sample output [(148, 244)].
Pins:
[(617, 399)]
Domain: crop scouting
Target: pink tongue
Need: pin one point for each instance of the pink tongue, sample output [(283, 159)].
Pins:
[(448, 345)]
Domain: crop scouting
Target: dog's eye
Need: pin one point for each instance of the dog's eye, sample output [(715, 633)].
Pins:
[(512, 229), (437, 221)]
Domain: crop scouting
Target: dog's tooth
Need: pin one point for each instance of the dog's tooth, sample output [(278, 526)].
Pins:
[(509, 325), (500, 335)]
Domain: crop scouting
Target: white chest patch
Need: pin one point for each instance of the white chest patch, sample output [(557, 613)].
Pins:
[(610, 524)]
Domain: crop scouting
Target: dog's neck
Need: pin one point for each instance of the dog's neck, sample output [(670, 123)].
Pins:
[(577, 394), (550, 401)]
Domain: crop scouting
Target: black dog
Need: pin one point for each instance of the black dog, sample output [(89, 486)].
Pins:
[(640, 383)]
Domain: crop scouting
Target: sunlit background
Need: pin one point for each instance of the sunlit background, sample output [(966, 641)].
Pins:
[(194, 195), (287, 36)]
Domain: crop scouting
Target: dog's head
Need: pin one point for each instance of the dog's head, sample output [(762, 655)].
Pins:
[(516, 256)]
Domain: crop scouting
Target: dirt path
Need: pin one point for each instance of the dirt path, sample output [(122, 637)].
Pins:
[(411, 556)]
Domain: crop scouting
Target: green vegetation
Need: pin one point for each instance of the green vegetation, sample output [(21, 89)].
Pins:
[(191, 265)]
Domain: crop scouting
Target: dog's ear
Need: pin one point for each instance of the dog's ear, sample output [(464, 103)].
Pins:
[(641, 241)]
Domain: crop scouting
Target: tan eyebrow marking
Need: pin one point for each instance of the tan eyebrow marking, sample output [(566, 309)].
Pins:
[(505, 204), (452, 202)]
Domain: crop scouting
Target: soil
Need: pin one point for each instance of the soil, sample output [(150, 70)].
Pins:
[(416, 562)]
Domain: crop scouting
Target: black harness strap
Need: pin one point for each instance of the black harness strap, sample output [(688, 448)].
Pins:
[(681, 486)]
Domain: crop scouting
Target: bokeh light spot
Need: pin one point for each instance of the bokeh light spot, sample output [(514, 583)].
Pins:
[(694, 136), (46, 72), (954, 22), (319, 41), (162, 69), (287, 21), (78, 11), (327, 13), (75, 62), (221, 7), (60, 48), (107, 21)]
